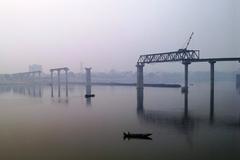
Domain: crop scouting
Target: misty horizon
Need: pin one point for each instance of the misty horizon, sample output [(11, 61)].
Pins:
[(110, 35)]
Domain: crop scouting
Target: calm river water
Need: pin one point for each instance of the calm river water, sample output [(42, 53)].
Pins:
[(35, 126)]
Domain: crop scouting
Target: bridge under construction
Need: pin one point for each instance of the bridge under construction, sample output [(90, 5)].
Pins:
[(186, 57)]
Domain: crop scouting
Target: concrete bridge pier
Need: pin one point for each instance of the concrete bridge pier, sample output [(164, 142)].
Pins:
[(212, 89), (88, 76), (66, 76), (88, 81), (59, 87), (51, 83), (186, 63), (185, 88), (39, 75), (59, 79), (140, 80)]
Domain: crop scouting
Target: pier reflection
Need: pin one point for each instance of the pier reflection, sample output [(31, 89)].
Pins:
[(88, 92), (182, 122), (5, 89), (238, 87), (28, 90), (63, 101)]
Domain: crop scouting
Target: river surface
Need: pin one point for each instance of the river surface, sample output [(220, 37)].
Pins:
[(35, 126)]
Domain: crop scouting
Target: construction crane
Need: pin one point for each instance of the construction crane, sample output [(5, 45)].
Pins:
[(188, 42)]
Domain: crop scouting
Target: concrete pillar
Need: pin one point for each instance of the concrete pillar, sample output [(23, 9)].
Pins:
[(59, 91), (51, 83), (33, 76), (66, 74), (185, 89), (88, 81), (88, 90), (186, 63), (212, 89), (88, 76), (39, 76), (140, 80)]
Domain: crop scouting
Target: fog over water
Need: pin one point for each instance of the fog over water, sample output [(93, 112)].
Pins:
[(53, 107), (36, 126)]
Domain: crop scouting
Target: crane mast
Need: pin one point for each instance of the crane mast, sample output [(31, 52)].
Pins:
[(189, 40)]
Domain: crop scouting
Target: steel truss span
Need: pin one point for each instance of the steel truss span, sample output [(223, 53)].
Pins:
[(179, 55)]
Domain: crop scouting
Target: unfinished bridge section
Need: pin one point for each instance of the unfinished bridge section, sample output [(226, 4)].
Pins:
[(180, 55)]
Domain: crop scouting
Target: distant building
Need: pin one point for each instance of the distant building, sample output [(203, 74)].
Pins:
[(35, 67)]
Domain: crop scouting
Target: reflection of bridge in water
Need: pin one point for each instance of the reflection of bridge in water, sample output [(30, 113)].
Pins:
[(184, 121), (186, 57), (30, 90), (238, 82), (34, 90)]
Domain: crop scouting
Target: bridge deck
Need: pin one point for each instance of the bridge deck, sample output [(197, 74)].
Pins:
[(215, 59), (56, 69)]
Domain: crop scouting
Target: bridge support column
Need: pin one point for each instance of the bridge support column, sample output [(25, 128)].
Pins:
[(34, 77), (39, 76), (140, 81), (66, 76), (186, 63), (88, 81), (51, 83), (88, 76), (212, 89), (185, 89), (58, 74)]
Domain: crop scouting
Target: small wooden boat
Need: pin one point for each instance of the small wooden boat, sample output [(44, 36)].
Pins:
[(129, 135), (89, 95)]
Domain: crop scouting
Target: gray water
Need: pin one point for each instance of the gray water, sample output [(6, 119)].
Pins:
[(35, 126)]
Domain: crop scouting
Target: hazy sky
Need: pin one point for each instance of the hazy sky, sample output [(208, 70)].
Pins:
[(111, 34)]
